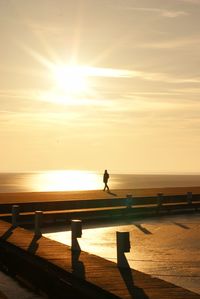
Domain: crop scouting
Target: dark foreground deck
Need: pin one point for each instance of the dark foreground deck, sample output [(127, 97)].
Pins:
[(53, 268)]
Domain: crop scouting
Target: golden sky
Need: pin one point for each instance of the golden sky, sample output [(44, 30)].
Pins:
[(97, 84)]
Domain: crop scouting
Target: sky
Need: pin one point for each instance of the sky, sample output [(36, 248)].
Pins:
[(98, 84)]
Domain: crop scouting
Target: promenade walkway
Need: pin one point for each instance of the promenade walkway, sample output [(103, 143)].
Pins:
[(28, 197)]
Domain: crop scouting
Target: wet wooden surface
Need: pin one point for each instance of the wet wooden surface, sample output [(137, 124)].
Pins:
[(89, 270)]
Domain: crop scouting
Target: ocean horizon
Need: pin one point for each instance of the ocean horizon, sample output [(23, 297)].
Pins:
[(78, 180)]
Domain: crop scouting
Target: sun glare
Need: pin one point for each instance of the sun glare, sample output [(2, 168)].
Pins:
[(65, 181), (71, 79)]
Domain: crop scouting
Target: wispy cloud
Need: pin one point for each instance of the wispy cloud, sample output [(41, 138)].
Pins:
[(173, 43), (120, 84), (108, 72), (162, 77), (11, 121), (17, 93), (191, 1), (167, 78), (162, 12)]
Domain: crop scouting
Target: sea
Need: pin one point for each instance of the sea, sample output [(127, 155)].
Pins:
[(71, 180), (160, 246)]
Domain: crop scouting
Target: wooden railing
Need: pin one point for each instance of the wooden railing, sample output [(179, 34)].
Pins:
[(102, 208)]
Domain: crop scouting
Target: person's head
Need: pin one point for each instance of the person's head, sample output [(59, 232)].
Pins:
[(106, 170)]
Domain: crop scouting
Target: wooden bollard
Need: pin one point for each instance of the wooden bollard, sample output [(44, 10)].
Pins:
[(76, 232), (189, 197), (123, 245), (38, 222), (15, 214)]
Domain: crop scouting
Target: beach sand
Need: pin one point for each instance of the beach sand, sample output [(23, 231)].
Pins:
[(23, 197)]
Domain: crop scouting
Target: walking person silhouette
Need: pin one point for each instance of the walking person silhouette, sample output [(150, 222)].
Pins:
[(105, 180)]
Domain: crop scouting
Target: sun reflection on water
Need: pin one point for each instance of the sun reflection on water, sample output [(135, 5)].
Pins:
[(69, 180)]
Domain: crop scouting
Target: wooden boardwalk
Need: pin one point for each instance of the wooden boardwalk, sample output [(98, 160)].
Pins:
[(52, 267), (2, 296)]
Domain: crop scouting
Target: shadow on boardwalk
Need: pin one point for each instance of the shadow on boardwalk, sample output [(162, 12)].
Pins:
[(111, 193), (126, 273), (34, 244), (8, 233), (78, 267), (143, 229)]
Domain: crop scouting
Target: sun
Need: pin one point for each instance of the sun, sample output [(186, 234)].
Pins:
[(71, 79)]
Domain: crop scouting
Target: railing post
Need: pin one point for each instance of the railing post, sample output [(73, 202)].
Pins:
[(76, 232), (123, 245), (189, 197), (129, 198), (38, 222), (15, 214), (159, 199)]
